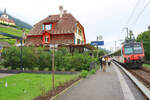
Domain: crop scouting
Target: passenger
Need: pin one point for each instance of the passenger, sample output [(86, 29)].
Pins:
[(109, 61), (104, 64), (100, 61)]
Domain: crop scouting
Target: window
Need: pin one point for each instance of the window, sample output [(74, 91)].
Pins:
[(42, 27), (138, 50), (80, 32), (128, 50), (78, 41), (46, 39), (48, 27), (77, 31)]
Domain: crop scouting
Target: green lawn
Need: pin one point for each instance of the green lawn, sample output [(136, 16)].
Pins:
[(146, 65), (28, 86)]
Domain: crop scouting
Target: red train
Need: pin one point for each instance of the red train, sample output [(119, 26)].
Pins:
[(131, 54)]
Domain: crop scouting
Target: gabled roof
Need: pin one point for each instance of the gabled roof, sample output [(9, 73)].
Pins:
[(7, 20), (64, 25)]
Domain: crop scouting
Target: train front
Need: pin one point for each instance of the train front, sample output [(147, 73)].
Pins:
[(133, 54)]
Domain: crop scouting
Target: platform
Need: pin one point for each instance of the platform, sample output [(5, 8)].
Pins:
[(109, 85)]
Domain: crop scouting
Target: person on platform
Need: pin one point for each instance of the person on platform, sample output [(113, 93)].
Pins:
[(104, 64), (100, 61), (109, 61)]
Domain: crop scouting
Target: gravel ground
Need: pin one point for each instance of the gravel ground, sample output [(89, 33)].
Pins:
[(4, 75)]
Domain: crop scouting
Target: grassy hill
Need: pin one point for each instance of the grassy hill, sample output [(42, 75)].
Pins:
[(19, 22), (13, 31)]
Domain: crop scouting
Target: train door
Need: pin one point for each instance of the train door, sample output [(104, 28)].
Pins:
[(121, 56)]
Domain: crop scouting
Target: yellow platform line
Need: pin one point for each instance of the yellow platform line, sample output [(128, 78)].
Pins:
[(65, 90)]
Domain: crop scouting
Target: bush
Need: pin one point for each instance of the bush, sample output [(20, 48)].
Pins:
[(9, 68), (26, 69), (73, 70), (84, 73), (36, 58), (17, 68), (93, 71), (46, 69), (1, 67), (36, 69)]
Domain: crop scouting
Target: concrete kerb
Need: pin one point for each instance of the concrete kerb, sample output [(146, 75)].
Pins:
[(65, 90)]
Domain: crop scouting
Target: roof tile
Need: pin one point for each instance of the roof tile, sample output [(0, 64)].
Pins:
[(66, 24)]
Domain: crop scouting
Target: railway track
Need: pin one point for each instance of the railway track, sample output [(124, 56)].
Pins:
[(142, 75)]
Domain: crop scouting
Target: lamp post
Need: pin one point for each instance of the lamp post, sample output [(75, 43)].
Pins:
[(53, 47)]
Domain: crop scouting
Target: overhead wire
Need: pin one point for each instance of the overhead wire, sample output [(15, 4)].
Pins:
[(133, 12), (141, 12)]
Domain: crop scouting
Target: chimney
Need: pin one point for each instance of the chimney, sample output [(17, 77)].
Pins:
[(65, 12), (61, 11)]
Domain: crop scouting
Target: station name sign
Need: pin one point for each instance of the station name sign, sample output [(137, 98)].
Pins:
[(97, 43)]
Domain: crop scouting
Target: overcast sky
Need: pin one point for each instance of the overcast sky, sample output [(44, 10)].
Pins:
[(98, 17)]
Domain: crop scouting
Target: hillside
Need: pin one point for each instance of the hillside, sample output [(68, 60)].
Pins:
[(19, 22), (13, 31)]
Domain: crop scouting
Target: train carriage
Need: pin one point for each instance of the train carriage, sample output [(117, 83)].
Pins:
[(131, 54)]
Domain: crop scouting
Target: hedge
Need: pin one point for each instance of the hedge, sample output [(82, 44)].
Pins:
[(34, 58)]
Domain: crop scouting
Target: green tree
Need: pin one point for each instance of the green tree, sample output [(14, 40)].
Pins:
[(144, 37)]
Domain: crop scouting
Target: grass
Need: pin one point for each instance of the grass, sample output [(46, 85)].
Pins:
[(28, 86), (146, 65), (13, 31)]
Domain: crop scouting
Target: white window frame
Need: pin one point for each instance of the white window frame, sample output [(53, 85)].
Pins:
[(46, 39), (48, 27)]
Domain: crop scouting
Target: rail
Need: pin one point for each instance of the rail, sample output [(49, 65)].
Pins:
[(142, 88)]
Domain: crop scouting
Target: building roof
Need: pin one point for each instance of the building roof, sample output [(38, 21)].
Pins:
[(64, 25), (7, 20)]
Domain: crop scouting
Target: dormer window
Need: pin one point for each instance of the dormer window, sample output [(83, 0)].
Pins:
[(48, 27)]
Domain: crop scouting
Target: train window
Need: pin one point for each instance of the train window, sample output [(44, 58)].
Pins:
[(128, 51), (138, 50)]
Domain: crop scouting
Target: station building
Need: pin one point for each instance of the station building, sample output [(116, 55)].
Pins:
[(60, 29)]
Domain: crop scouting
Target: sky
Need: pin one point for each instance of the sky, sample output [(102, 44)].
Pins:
[(98, 17)]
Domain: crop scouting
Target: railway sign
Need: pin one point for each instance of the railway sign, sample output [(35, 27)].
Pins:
[(97, 43)]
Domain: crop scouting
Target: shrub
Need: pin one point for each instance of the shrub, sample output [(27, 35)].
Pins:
[(9, 68), (1, 67), (73, 70), (36, 57), (63, 70), (36, 68), (44, 60), (17, 68), (93, 71), (84, 73), (46, 69), (26, 69)]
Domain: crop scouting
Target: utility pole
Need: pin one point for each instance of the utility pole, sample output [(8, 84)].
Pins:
[(53, 68), (97, 42), (97, 45), (127, 32), (21, 57)]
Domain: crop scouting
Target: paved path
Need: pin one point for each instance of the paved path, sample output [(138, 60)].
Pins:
[(4, 75), (101, 86), (109, 85)]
